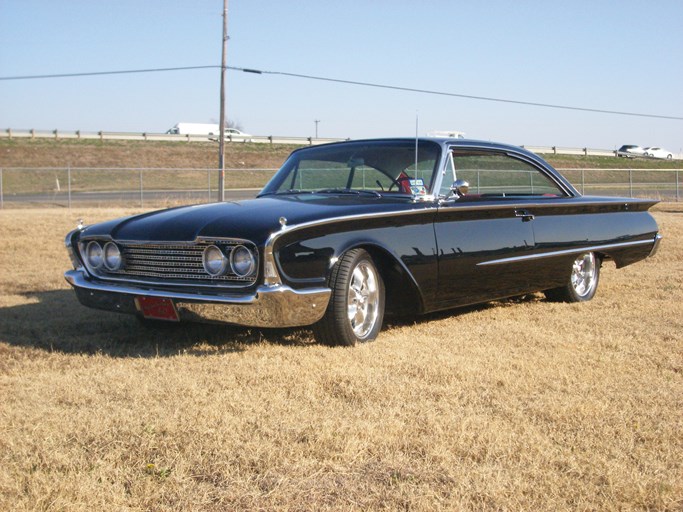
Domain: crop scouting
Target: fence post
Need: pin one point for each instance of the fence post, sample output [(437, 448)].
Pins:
[(141, 191), (677, 195), (68, 180), (208, 182), (2, 197), (630, 182), (583, 182)]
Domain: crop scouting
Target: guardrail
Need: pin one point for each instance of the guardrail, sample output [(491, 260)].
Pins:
[(556, 150), (166, 137), (146, 187)]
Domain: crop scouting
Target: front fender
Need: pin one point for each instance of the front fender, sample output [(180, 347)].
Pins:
[(405, 254)]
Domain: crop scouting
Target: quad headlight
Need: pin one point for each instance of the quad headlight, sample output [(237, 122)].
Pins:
[(112, 256), (242, 261), (107, 256), (214, 261)]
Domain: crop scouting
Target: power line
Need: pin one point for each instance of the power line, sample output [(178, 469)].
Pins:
[(457, 95), (354, 82), (98, 73)]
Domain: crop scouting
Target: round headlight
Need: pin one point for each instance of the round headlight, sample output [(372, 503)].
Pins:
[(214, 260), (93, 253), (242, 261), (112, 256)]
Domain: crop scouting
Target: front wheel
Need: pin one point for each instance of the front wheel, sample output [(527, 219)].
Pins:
[(582, 283), (356, 308)]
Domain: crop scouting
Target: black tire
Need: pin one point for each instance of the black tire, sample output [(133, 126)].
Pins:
[(582, 283), (356, 309)]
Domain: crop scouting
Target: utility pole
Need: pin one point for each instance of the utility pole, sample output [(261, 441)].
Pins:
[(316, 127), (221, 130)]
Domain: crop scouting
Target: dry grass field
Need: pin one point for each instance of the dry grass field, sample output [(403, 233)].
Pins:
[(514, 405)]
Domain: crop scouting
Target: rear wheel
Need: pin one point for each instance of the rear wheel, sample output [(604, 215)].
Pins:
[(582, 283), (356, 308)]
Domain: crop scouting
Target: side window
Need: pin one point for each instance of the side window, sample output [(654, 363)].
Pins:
[(500, 175)]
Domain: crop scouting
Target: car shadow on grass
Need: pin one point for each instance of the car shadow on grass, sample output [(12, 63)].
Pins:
[(56, 321), (398, 321)]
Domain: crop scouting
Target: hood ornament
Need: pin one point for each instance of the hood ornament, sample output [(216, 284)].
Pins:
[(283, 222), (80, 224)]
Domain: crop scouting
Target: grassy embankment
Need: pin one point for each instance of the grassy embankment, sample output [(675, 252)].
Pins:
[(190, 162)]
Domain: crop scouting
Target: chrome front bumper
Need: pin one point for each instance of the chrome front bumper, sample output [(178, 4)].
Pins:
[(269, 306)]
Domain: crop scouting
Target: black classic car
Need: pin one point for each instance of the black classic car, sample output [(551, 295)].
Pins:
[(344, 232)]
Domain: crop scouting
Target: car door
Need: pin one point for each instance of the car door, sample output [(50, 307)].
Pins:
[(484, 236)]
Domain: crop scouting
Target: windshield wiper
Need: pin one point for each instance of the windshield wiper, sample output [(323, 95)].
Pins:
[(356, 192), (291, 191)]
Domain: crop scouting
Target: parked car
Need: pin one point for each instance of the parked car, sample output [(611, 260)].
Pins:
[(345, 232), (630, 151), (658, 153)]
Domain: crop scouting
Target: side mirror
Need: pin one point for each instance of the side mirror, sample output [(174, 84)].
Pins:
[(460, 188)]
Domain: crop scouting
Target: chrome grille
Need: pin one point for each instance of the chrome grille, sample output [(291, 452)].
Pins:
[(174, 263)]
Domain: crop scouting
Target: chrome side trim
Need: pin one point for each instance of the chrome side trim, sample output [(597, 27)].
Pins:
[(278, 306), (575, 250), (272, 277)]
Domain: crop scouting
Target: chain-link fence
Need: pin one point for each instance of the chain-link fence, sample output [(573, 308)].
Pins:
[(65, 186), (148, 187), (661, 184)]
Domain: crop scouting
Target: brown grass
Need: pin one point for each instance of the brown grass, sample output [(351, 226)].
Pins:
[(514, 405)]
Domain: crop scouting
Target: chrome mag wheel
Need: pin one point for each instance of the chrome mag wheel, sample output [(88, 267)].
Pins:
[(356, 308), (363, 299), (582, 282), (584, 277)]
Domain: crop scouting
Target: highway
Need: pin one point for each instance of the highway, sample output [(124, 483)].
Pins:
[(129, 198)]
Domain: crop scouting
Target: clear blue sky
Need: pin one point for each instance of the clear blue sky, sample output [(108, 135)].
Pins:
[(624, 56)]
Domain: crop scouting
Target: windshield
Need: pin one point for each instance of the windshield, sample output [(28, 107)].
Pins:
[(373, 167)]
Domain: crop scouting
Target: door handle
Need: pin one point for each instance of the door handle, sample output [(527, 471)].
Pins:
[(525, 215)]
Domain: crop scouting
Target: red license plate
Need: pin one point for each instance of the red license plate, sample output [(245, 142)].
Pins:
[(157, 308)]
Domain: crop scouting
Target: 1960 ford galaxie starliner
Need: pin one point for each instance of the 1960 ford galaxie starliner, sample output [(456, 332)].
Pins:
[(344, 232)]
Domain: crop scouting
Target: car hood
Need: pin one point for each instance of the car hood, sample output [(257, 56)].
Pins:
[(253, 219)]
